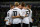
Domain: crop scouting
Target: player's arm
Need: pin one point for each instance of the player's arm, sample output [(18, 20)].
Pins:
[(5, 20), (25, 15), (16, 16), (31, 16), (13, 16), (19, 17)]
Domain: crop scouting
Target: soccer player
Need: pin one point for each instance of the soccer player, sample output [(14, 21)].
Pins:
[(8, 19), (30, 15), (24, 14), (16, 15)]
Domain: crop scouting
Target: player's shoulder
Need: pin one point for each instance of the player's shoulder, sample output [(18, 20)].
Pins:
[(16, 9), (23, 9), (10, 10), (27, 9), (30, 10)]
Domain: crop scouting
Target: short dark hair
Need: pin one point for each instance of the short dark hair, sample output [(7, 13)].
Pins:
[(11, 5), (29, 5), (23, 4)]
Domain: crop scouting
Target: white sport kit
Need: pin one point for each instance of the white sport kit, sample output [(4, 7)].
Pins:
[(23, 13), (16, 12), (7, 22), (8, 17), (30, 16)]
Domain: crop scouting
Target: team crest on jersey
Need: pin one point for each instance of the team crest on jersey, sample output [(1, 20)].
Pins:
[(23, 12)]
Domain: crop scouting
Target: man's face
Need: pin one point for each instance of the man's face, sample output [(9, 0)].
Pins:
[(20, 7), (12, 6)]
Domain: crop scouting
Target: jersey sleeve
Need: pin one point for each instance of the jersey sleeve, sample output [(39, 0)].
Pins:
[(9, 14), (30, 14), (6, 18)]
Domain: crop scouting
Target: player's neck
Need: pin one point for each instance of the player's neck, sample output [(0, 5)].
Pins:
[(16, 7), (24, 8)]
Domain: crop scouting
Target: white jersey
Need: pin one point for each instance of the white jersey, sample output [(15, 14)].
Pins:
[(30, 16), (8, 17), (7, 22), (16, 12), (30, 13), (23, 13)]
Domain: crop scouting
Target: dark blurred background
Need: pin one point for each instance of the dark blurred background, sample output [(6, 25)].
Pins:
[(35, 6)]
